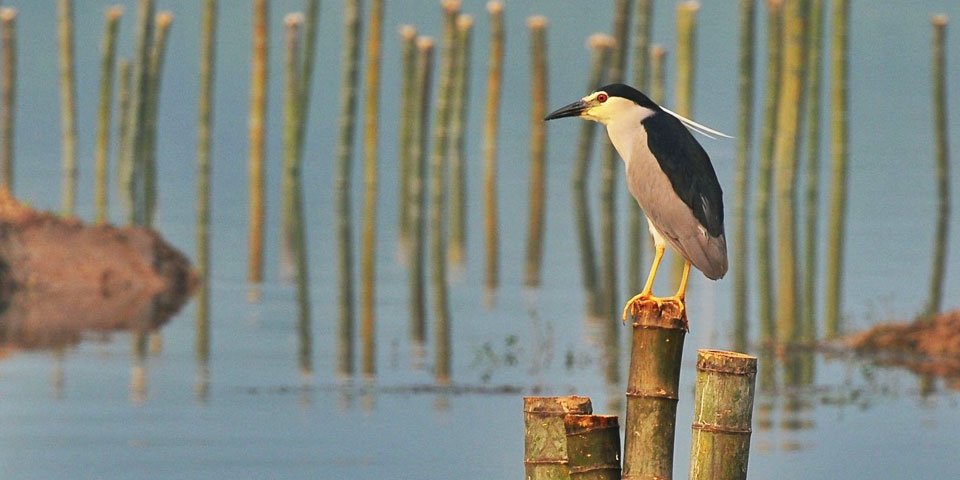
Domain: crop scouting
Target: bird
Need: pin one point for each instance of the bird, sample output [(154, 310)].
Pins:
[(671, 177)]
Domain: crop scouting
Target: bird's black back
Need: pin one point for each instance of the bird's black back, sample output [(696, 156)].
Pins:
[(688, 167)]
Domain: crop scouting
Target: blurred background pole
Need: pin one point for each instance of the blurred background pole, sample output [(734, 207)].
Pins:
[(68, 109), (458, 162), (208, 35), (107, 51), (658, 74), (371, 119), (490, 136), (257, 126), (538, 148), (685, 86), (942, 159), (136, 130), (764, 196), (408, 38), (742, 177), (808, 329), (643, 24), (124, 170), (163, 21), (839, 67), (416, 184), (8, 89)]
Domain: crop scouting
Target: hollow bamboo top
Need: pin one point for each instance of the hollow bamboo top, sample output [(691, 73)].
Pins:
[(577, 424), (495, 7), (774, 4), (657, 50), (537, 22), (722, 361), (164, 18), (114, 12), (293, 19), (451, 6), (601, 40), (464, 21), (939, 20), (425, 42), (688, 6), (557, 405), (8, 14), (407, 32), (667, 315)]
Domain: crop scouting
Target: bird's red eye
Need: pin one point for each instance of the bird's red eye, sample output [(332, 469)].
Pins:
[(602, 97)]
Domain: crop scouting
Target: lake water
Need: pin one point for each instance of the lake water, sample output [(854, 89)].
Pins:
[(89, 412)]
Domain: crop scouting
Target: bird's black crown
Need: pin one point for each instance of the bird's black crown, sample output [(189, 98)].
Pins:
[(630, 93)]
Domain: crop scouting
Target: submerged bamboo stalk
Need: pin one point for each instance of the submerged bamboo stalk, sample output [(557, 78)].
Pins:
[(107, 52), (68, 109), (8, 89), (416, 182), (742, 181), (545, 444), (408, 36), (764, 195), (942, 159), (204, 129), (839, 47), (643, 24), (348, 106), (538, 148), (685, 86), (786, 148), (124, 167), (601, 45), (371, 116), (490, 135), (653, 390), (257, 126), (136, 130), (458, 165), (438, 174), (723, 415), (814, 46), (593, 447)]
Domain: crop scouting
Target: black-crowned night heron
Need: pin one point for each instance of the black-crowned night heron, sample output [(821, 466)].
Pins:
[(670, 176)]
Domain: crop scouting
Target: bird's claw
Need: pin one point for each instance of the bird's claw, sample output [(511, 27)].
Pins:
[(633, 306)]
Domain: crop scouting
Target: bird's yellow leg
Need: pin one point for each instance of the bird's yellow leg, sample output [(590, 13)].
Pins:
[(682, 290), (647, 292)]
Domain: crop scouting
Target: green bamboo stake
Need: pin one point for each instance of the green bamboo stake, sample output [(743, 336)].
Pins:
[(458, 166), (68, 109), (371, 116), (839, 100), (723, 415), (593, 447), (538, 151), (658, 75), (653, 390), (491, 136), (643, 24), (685, 86), (306, 68), (545, 436), (742, 182), (416, 182), (942, 158), (8, 87), (764, 196), (107, 51), (600, 45), (163, 22), (259, 76), (438, 174), (408, 36), (348, 107), (808, 333), (136, 130), (204, 129), (789, 121), (124, 168)]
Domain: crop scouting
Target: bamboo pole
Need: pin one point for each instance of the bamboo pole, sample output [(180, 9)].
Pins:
[(68, 109), (418, 147), (839, 98), (204, 129), (348, 106), (942, 159), (643, 24), (458, 166), (107, 52), (371, 116), (742, 181), (538, 150), (306, 67), (438, 174), (8, 87), (723, 415), (658, 76), (545, 445), (789, 122), (408, 36), (808, 329), (138, 110), (653, 390), (593, 446), (124, 168), (490, 135), (601, 46), (685, 86), (163, 21), (764, 195), (257, 125)]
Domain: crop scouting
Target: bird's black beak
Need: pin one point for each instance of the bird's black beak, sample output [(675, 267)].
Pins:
[(575, 109)]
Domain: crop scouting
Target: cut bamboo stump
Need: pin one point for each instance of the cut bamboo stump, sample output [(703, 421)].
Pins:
[(545, 444), (652, 390), (593, 447), (723, 415)]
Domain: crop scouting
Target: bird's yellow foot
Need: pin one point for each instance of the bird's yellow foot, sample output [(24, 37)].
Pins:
[(633, 305)]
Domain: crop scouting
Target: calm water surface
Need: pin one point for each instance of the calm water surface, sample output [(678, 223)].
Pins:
[(253, 413)]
